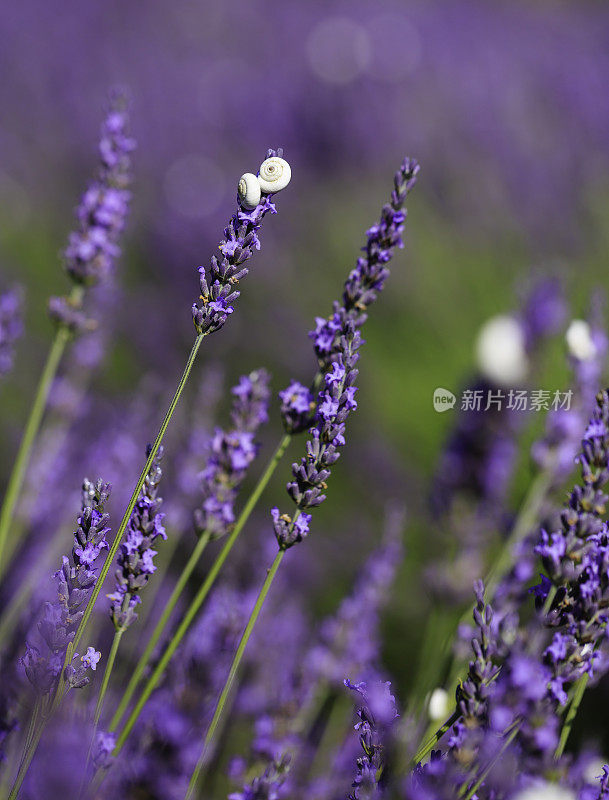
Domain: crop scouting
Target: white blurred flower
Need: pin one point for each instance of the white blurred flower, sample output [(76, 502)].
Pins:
[(545, 791), (438, 706), (500, 351), (579, 340)]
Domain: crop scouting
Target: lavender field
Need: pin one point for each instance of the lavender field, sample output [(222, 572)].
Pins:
[(304, 424)]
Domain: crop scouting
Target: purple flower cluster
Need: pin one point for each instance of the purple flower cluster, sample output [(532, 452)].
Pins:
[(135, 561), (268, 785), (218, 285), (93, 249), (334, 404), (510, 704), (230, 454), (376, 714), (472, 693), (576, 558), (75, 581), (297, 407), (11, 327), (337, 341)]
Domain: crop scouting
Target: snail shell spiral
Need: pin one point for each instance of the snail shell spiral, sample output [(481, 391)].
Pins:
[(249, 190), (275, 174)]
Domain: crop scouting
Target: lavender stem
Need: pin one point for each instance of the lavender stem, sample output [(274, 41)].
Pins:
[(201, 763), (107, 673), (580, 688), (131, 505), (141, 665), (199, 598)]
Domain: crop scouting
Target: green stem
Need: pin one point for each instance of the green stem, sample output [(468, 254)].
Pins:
[(549, 600), (158, 630), (59, 692), (136, 493), (489, 766), (107, 673), (232, 673), (427, 746), (199, 598), (25, 764), (32, 740), (580, 688), (15, 483), (31, 726)]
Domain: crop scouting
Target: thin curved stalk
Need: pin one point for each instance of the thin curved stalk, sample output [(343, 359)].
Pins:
[(134, 497), (34, 735), (233, 673), (467, 795), (580, 688), (199, 598), (60, 690), (428, 746), (118, 634), (141, 665)]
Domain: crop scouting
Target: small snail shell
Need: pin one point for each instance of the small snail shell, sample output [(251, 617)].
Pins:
[(249, 190), (275, 174)]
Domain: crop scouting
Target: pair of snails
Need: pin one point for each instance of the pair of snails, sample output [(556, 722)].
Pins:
[(274, 175)]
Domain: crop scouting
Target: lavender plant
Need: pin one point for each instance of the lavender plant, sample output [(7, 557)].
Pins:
[(278, 660), (44, 662), (376, 715), (229, 454), (217, 293), (337, 341)]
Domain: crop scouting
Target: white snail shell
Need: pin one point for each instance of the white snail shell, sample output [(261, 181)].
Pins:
[(249, 190), (275, 174)]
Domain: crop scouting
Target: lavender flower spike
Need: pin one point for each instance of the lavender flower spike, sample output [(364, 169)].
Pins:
[(218, 284), (376, 715), (337, 341), (231, 453), (11, 327), (93, 249), (75, 581), (135, 558)]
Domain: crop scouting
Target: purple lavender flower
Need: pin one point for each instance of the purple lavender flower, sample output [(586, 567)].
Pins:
[(268, 785), (472, 693), (376, 715), (102, 749), (218, 284), (135, 562), (297, 407), (75, 581), (231, 453), (337, 341), (93, 249), (11, 326), (541, 661), (604, 784)]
